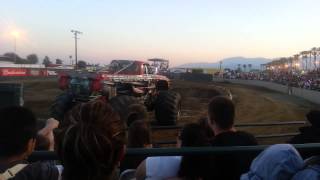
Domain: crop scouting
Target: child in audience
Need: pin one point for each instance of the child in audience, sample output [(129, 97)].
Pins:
[(136, 112), (139, 135), (164, 167)]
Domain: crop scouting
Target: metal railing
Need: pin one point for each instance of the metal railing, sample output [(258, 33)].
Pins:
[(310, 149), (241, 125)]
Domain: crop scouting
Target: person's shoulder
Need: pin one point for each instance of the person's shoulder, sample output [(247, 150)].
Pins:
[(237, 138), (243, 134), (39, 171), (311, 172), (162, 167), (235, 134), (251, 140)]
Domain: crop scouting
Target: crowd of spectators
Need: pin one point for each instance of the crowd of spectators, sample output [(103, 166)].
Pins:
[(307, 80), (91, 143)]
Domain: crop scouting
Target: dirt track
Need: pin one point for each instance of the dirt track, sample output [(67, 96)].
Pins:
[(253, 104)]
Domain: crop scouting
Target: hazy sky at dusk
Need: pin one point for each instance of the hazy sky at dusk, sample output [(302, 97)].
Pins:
[(182, 31)]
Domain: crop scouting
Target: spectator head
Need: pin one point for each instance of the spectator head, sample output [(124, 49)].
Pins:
[(139, 135), (18, 131), (194, 167), (221, 112), (313, 117), (204, 123), (90, 142), (192, 135), (136, 112), (42, 143)]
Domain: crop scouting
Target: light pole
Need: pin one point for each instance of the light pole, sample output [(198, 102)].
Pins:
[(76, 32), (70, 60), (15, 35)]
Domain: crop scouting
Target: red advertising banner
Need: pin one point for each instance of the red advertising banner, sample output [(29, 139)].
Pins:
[(13, 72)]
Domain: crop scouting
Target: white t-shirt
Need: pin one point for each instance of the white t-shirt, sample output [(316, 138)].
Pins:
[(162, 167)]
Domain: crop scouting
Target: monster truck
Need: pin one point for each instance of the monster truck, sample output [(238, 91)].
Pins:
[(161, 66), (122, 83)]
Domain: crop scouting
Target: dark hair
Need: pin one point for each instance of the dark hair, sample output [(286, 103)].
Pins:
[(221, 111), (42, 143), (313, 117), (136, 112), (138, 134), (193, 135), (193, 167), (205, 125), (90, 141), (18, 126)]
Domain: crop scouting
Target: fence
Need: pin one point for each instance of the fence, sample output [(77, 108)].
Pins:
[(304, 149), (310, 95), (261, 136)]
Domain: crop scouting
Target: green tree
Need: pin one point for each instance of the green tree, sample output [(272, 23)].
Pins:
[(249, 67), (12, 56), (82, 64), (32, 59), (244, 67), (46, 61), (314, 52), (58, 61), (239, 67)]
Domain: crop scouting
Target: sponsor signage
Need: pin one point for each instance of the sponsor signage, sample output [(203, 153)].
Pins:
[(13, 72)]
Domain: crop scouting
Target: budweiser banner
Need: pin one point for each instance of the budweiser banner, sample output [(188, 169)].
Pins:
[(13, 72)]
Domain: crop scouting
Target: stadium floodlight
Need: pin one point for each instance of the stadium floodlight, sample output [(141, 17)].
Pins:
[(15, 33)]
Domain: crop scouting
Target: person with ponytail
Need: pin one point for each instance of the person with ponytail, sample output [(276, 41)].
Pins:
[(90, 142)]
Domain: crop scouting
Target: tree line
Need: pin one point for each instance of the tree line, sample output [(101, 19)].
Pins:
[(309, 59), (34, 59)]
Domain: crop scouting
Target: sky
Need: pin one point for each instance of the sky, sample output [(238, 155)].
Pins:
[(182, 31)]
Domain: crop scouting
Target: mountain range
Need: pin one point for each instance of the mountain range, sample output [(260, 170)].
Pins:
[(231, 63)]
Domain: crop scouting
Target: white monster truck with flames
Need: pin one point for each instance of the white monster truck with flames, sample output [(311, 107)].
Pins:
[(122, 83)]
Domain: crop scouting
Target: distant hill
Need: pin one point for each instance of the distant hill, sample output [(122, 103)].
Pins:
[(231, 63)]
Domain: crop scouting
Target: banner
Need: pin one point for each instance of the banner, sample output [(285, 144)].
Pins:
[(13, 72)]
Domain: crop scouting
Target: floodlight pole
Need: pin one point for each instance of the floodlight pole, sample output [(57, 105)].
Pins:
[(15, 49), (76, 32)]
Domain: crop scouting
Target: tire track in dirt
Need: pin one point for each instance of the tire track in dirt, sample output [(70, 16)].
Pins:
[(253, 104)]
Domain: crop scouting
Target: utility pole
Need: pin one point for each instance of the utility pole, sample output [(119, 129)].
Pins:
[(76, 32), (15, 49), (220, 66)]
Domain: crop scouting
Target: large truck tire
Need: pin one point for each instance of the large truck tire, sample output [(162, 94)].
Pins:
[(167, 108), (121, 104), (61, 105)]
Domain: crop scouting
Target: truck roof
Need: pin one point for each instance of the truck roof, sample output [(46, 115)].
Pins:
[(125, 60)]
